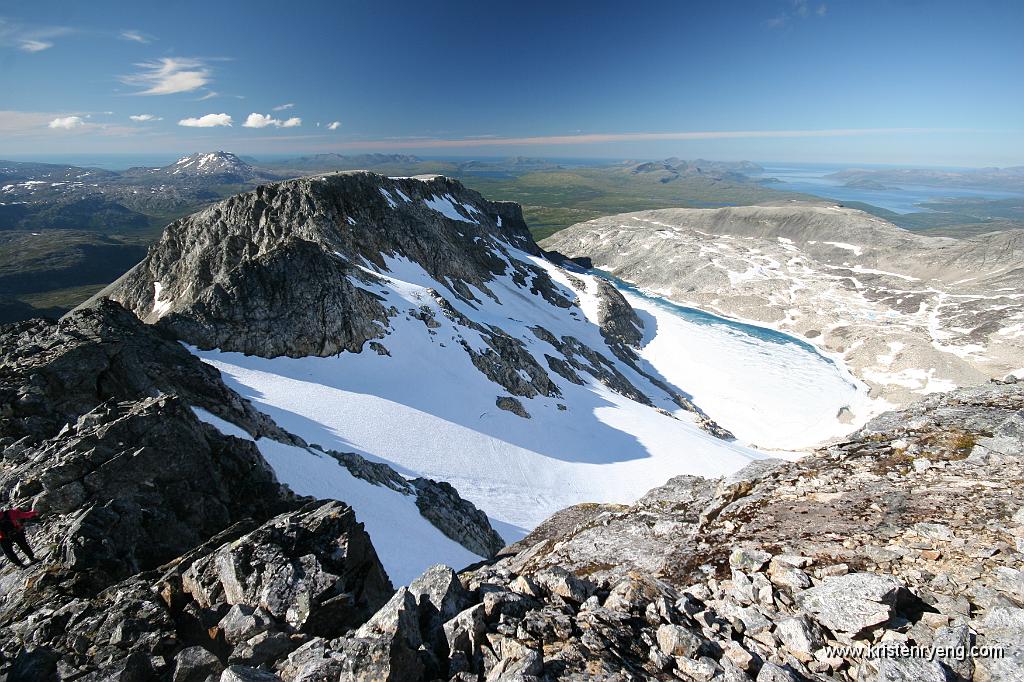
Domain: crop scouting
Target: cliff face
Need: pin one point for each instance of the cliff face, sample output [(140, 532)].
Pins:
[(155, 525), (284, 270)]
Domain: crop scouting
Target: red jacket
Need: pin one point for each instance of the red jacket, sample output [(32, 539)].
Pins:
[(13, 517)]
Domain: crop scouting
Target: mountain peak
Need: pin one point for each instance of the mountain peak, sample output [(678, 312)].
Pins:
[(218, 164)]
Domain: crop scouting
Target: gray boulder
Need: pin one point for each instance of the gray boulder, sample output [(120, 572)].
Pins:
[(314, 569), (195, 664), (850, 603)]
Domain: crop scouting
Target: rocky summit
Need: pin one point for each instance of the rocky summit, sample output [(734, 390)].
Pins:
[(191, 529)]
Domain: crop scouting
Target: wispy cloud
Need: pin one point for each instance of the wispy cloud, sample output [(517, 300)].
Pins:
[(35, 45), (36, 127), (265, 120), (67, 122), (797, 9), (135, 36), (207, 121), (169, 75), (29, 38), (334, 125), (283, 107), (142, 118), (602, 138)]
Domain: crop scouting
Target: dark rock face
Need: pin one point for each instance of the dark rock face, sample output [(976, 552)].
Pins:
[(169, 550), (141, 483), (52, 373), (259, 307), (98, 436), (457, 518), (289, 251), (313, 570)]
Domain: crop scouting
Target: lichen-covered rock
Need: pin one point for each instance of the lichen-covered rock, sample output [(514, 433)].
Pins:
[(314, 569), (850, 603)]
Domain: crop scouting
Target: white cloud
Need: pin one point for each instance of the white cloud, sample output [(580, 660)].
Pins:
[(135, 36), (67, 122), (35, 45), (282, 107), (334, 125), (210, 95), (265, 120), (141, 118), (29, 37), (207, 121), (258, 121), (169, 75)]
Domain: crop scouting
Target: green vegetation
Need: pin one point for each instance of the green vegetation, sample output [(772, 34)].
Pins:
[(556, 199), (957, 218), (62, 299)]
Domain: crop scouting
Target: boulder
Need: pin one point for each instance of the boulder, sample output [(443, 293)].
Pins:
[(242, 673), (675, 640), (801, 636), (851, 603), (314, 569), (195, 664)]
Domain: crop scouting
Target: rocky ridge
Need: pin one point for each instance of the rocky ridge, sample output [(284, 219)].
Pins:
[(910, 314), (137, 496), (296, 269), (905, 540)]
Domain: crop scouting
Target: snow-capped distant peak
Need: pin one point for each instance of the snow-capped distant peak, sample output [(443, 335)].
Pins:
[(212, 163)]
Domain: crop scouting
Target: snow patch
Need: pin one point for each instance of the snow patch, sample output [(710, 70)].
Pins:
[(406, 543), (446, 206), (160, 308)]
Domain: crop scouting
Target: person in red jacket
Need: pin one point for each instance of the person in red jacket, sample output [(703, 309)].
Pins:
[(12, 531)]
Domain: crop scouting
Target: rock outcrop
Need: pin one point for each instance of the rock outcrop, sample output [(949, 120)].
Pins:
[(885, 557), (168, 549), (278, 271)]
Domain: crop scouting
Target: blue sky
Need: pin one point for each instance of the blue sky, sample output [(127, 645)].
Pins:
[(905, 82)]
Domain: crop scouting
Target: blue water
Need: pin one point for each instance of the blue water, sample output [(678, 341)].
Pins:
[(701, 317), (810, 179)]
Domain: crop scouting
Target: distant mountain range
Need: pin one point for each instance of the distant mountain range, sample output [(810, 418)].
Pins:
[(1006, 179), (674, 168)]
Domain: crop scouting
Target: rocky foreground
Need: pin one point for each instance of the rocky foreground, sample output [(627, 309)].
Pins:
[(170, 552)]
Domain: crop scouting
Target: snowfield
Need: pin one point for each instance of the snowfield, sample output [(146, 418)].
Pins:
[(778, 395), (406, 543), (426, 410)]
